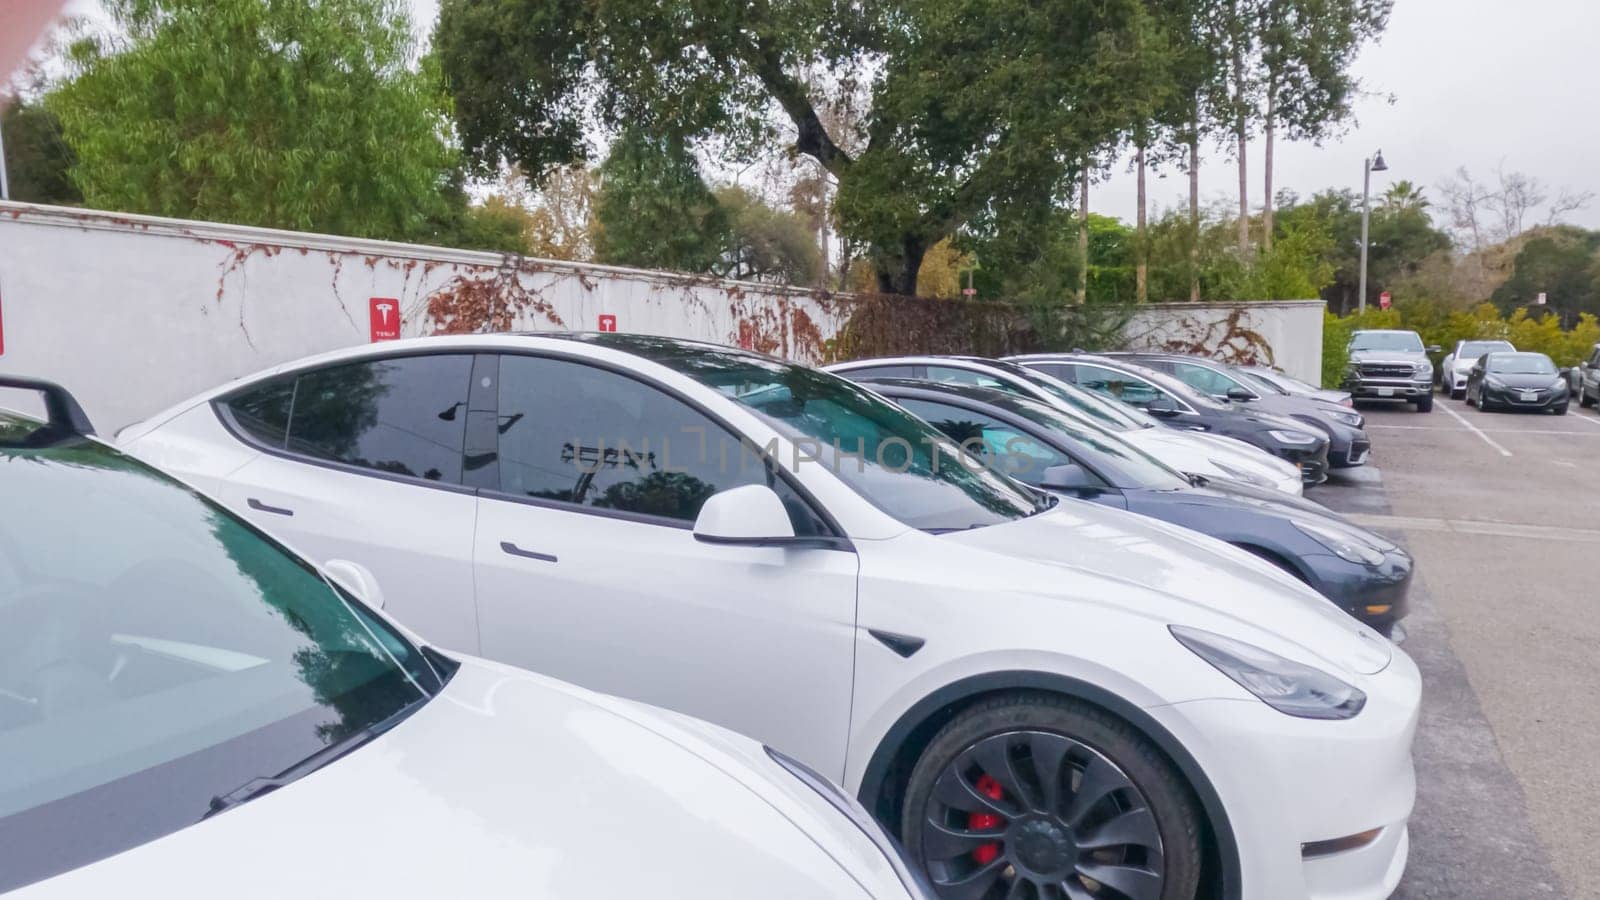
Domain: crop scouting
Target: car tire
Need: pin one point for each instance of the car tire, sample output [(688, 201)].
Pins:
[(1458, 395), (1584, 400), (1562, 409), (1425, 403), (983, 783), (1483, 404)]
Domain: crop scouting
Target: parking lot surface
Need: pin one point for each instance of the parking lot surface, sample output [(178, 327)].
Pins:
[(1498, 510)]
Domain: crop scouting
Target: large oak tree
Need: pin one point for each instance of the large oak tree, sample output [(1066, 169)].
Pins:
[(976, 105)]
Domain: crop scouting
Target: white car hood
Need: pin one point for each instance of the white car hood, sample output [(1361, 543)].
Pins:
[(1193, 451), (1265, 606), (506, 785)]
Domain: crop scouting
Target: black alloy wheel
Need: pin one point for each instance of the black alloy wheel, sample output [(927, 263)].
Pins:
[(1035, 811)]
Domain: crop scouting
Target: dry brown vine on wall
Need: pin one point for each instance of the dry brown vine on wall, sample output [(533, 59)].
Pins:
[(1229, 340), (495, 302)]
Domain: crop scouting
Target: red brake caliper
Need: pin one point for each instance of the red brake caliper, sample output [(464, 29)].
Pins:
[(990, 788)]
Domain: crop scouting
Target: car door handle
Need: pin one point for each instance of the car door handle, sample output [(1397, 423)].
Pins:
[(275, 510), (514, 550)]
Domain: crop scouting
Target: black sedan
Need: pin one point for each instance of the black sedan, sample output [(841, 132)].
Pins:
[(1518, 381), (1363, 573), (1167, 398), (1348, 444)]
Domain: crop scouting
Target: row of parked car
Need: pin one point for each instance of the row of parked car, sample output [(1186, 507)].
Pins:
[(1488, 374), (1052, 627)]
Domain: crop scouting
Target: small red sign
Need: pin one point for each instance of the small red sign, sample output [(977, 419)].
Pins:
[(384, 315), (1384, 299), (608, 322)]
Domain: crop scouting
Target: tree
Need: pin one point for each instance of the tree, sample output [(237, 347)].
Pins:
[(655, 210), (1039, 87), (1403, 196), (765, 243), (1482, 212), (37, 156), (1560, 263), (288, 113), (562, 223), (1307, 50), (1401, 239)]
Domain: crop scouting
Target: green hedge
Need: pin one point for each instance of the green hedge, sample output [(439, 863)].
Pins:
[(1437, 325)]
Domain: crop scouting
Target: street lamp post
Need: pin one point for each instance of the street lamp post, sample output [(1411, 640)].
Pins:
[(1368, 166)]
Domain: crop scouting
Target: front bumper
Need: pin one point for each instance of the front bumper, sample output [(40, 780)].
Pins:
[(1352, 454), (1377, 595), (1389, 388), (1454, 382), (1285, 782), (1544, 398), (1312, 463)]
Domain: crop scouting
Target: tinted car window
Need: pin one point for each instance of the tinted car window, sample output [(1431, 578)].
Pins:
[(1115, 384), (405, 416), (952, 375), (578, 434), (264, 411), (1203, 379), (1001, 446), (1063, 371), (155, 653), (882, 372)]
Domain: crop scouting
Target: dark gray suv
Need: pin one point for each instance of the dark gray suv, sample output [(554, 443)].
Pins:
[(1391, 364)]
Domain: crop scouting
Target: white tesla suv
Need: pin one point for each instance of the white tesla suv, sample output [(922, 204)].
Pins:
[(1191, 452), (1043, 699), (188, 711)]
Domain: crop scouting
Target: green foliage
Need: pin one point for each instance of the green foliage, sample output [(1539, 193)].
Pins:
[(1401, 237), (1561, 263), (1336, 334), (1539, 333), (766, 243), (655, 210), (494, 224), (1296, 268), (285, 113), (972, 109), (37, 156)]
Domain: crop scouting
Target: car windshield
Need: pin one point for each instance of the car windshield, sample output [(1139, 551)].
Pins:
[(156, 653), (1260, 382), (1118, 417), (1176, 387), (1397, 341), (893, 459), (1519, 364), (1105, 449), (1475, 349)]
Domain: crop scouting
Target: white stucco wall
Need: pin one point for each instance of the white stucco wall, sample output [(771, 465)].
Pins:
[(133, 313)]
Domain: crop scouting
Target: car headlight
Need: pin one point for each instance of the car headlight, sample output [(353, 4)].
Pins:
[(1244, 475), (1493, 382), (1287, 686), (1354, 420), (1559, 383), (913, 881), (1344, 545), (1293, 438), (1424, 368)]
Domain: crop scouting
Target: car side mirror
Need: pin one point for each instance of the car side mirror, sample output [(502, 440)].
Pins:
[(357, 579), (751, 515), (1240, 394), (1434, 348), (1067, 477), (1162, 408)]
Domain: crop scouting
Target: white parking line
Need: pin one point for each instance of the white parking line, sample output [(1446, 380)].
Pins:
[(1474, 429), (1583, 418), (1370, 426)]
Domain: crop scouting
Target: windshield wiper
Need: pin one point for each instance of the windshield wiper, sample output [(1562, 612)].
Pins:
[(260, 786), (1197, 480)]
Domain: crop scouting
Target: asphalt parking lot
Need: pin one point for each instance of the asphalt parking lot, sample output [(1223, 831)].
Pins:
[(1499, 511)]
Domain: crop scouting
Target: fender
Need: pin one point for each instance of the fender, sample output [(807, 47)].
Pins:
[(878, 768)]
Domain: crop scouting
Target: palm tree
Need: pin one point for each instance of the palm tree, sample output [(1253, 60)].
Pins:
[(1403, 196)]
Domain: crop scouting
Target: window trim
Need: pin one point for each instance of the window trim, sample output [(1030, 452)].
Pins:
[(219, 406), (838, 540)]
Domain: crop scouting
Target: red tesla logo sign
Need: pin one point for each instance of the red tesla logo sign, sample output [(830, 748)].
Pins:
[(608, 322), (384, 314)]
